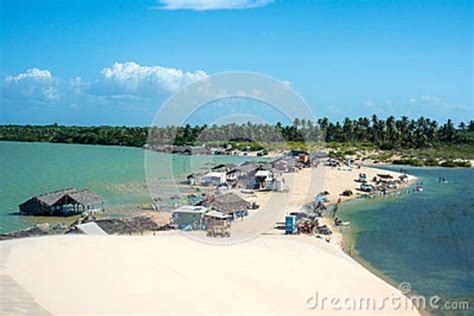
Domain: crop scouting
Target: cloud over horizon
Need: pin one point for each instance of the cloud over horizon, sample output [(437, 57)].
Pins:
[(206, 5), (122, 81), (34, 84), (131, 78)]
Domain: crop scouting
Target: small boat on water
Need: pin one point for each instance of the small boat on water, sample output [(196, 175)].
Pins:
[(342, 225), (419, 189), (442, 180)]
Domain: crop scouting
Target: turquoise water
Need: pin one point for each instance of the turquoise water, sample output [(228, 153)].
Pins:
[(424, 238), (116, 173)]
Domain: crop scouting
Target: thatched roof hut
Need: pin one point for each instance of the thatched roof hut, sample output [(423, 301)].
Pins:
[(128, 225), (230, 203), (63, 202)]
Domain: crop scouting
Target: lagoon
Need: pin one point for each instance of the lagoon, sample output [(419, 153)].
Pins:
[(116, 173)]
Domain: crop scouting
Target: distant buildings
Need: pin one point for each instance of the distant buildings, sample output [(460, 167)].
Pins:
[(179, 149), (250, 174)]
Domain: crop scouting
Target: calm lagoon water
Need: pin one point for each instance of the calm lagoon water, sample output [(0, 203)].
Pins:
[(116, 173), (424, 238)]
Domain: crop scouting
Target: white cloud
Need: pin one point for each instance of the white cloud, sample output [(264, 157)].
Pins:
[(429, 99), (123, 82), (424, 99), (34, 84), (131, 78), (33, 73), (370, 103), (205, 5)]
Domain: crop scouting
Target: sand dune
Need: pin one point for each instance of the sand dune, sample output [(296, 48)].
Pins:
[(171, 274)]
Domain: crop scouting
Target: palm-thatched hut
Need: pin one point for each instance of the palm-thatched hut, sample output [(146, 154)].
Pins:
[(231, 204), (64, 202)]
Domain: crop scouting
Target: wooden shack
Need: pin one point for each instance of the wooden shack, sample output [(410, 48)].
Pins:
[(231, 204), (64, 202)]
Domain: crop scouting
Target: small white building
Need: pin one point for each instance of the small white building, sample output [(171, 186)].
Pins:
[(188, 215), (264, 179), (213, 178)]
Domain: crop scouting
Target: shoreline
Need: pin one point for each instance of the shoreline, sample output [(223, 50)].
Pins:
[(311, 181), (346, 239), (270, 155)]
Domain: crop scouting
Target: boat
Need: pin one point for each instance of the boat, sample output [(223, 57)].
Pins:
[(419, 189), (346, 224)]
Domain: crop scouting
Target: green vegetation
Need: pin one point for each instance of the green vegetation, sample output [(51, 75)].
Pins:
[(100, 135), (433, 163), (451, 164), (418, 142)]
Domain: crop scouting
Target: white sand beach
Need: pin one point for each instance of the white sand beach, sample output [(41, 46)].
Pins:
[(171, 274), (307, 183)]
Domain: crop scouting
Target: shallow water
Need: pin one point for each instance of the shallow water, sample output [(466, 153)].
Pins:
[(424, 238), (116, 173)]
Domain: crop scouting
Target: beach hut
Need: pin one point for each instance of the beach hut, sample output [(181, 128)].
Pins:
[(213, 178), (281, 165), (231, 204), (188, 216), (223, 167), (285, 164), (128, 225), (264, 179), (64, 202)]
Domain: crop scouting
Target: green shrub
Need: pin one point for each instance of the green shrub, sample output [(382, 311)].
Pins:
[(454, 164), (431, 162)]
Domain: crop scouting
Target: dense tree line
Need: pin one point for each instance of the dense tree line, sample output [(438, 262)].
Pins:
[(102, 135), (389, 133)]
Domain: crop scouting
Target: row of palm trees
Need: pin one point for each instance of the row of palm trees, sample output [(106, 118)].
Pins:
[(385, 133)]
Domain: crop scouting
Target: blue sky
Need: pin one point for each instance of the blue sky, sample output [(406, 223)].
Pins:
[(114, 62)]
